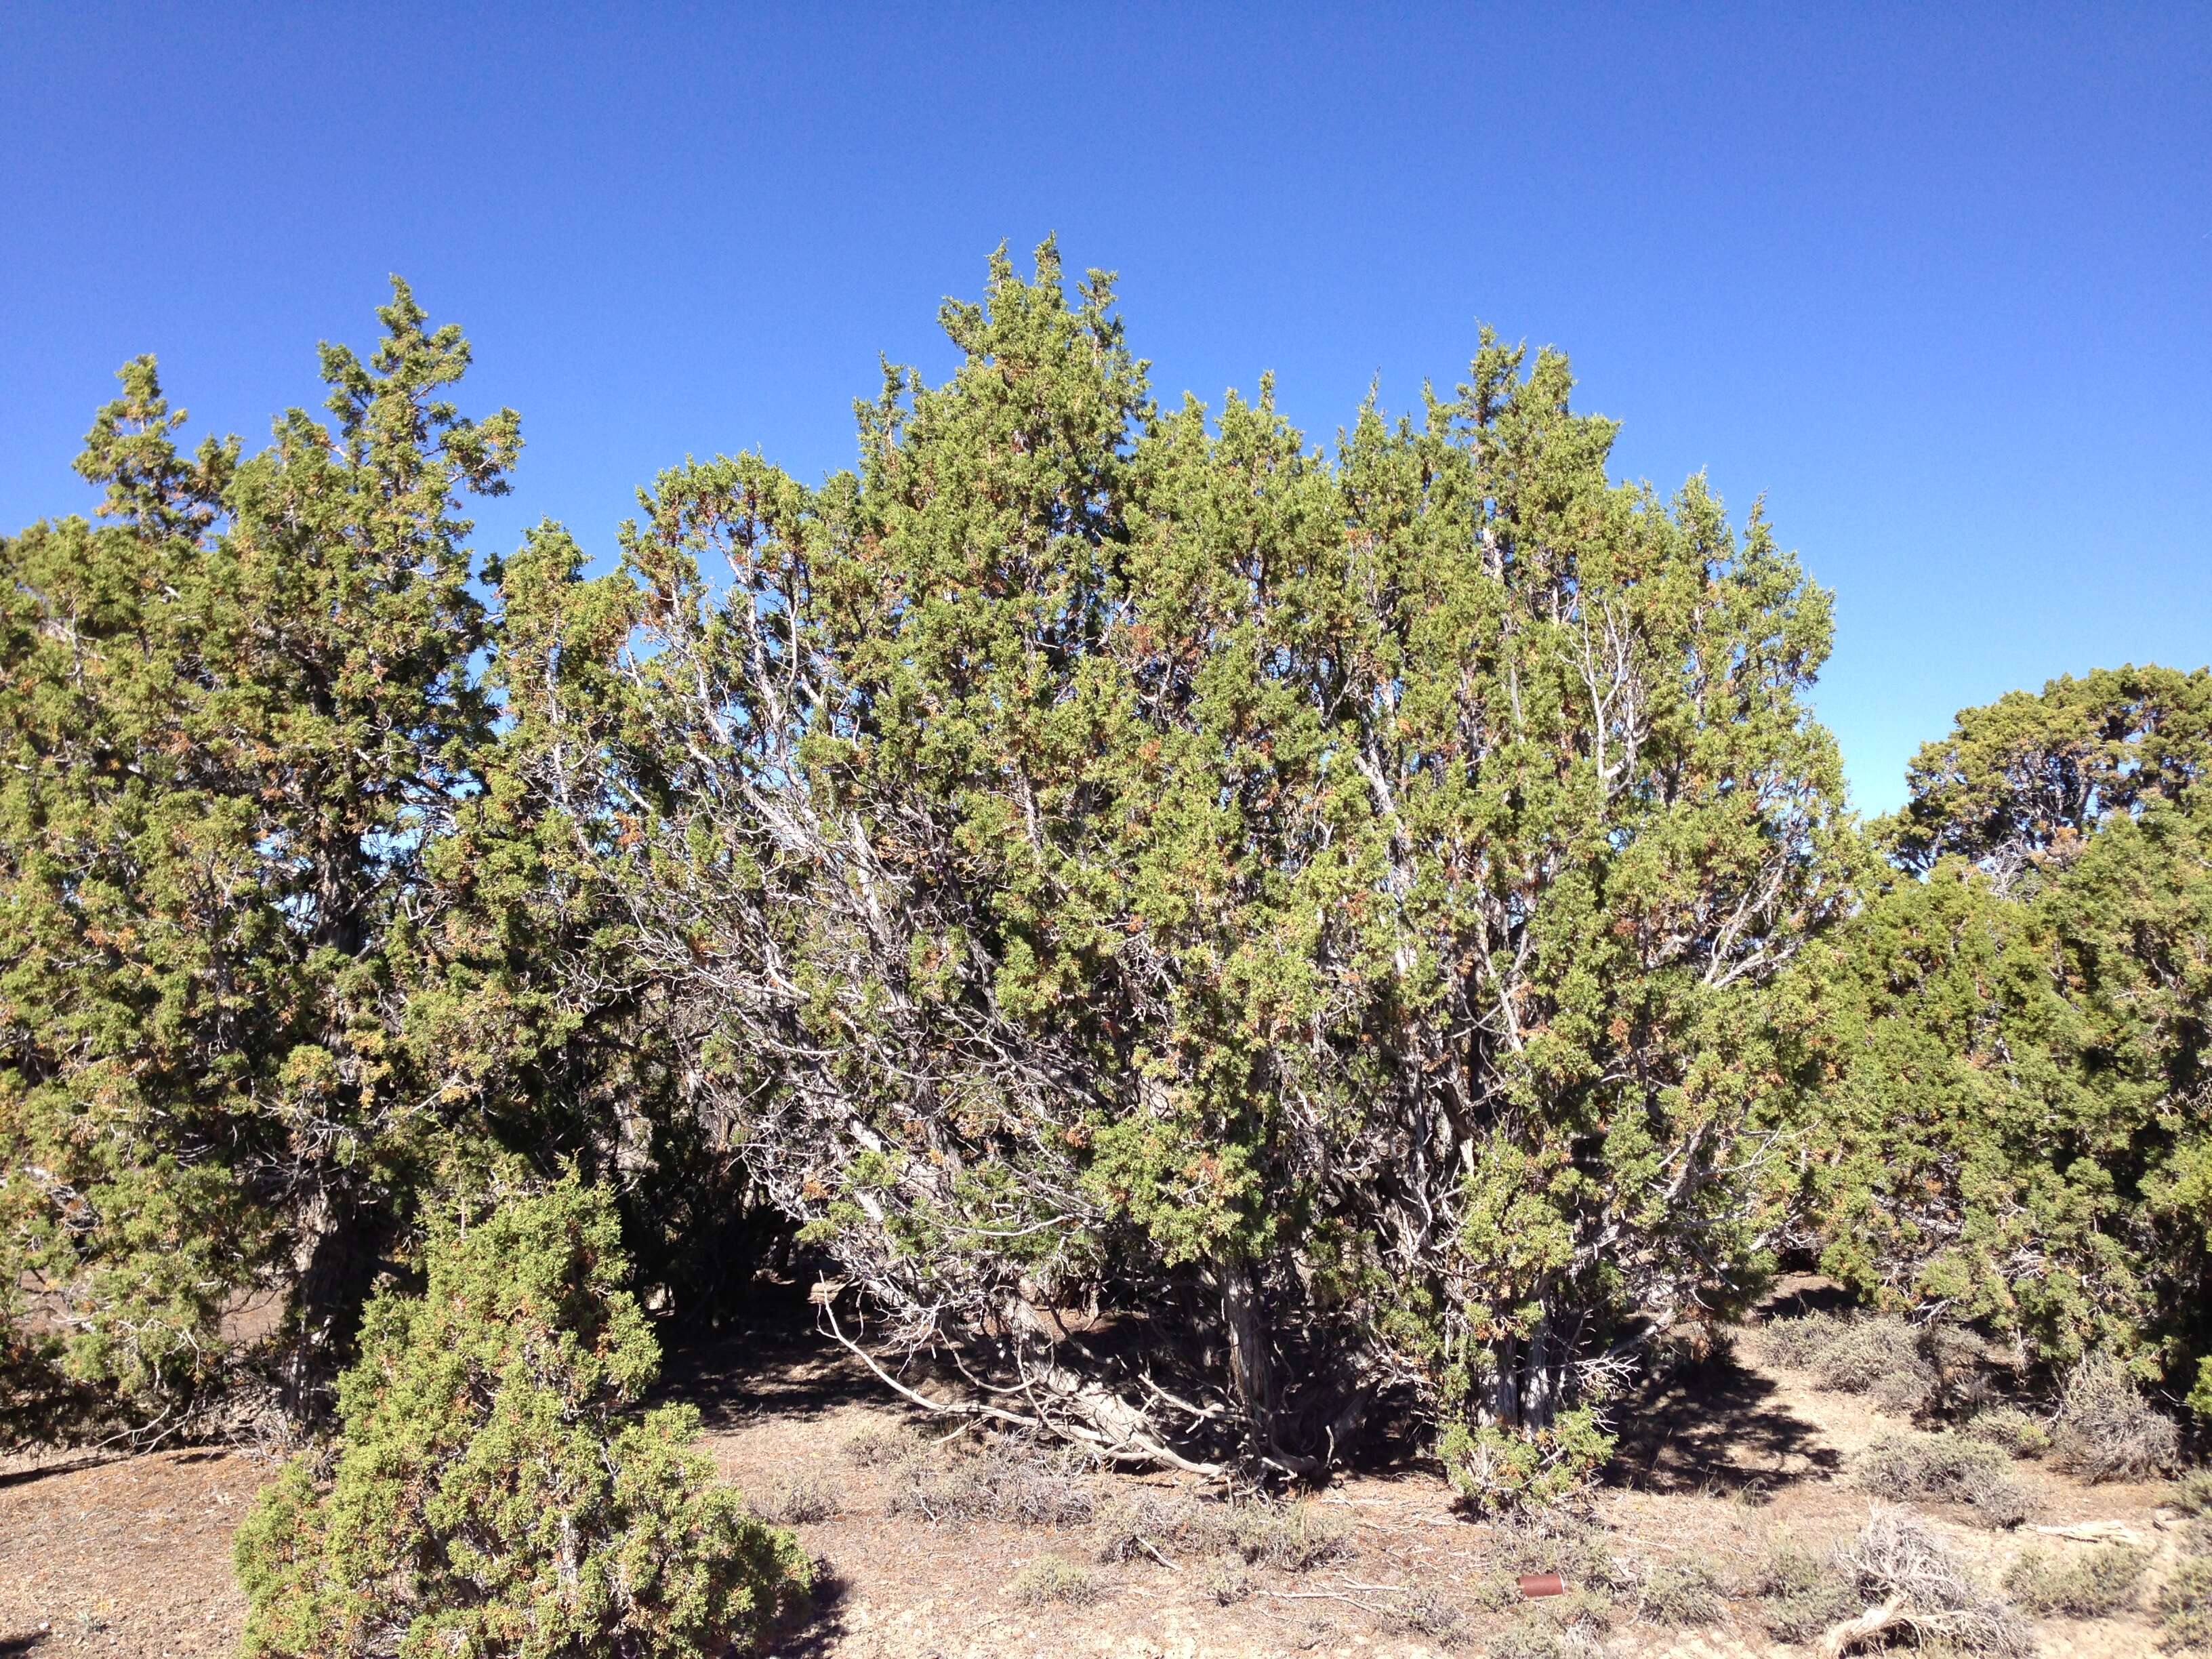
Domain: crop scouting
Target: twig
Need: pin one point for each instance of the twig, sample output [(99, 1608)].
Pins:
[(2096, 1532), (1146, 1545), (965, 1408), (1326, 1596)]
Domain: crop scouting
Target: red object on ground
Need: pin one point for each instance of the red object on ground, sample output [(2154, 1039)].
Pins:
[(1533, 1584)]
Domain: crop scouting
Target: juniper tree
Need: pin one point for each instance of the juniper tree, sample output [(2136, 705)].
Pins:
[(2024, 781), (497, 1487), (2013, 1113), (1205, 933), (236, 711), (524, 987)]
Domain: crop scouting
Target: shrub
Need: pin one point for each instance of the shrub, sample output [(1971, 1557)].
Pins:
[(1293, 1537), (1874, 1354), (802, 1500), (41, 1405), (2025, 979), (2091, 1585), (1424, 1611), (496, 1489), (1049, 1579), (1678, 1592), (2106, 1430), (998, 1483), (1559, 1541), (2018, 1432), (2184, 1608), (1896, 1562), (1126, 1525), (1228, 1582), (1560, 1627), (1945, 1468), (881, 1444), (923, 777), (1498, 1471), (1801, 1593), (2193, 1493)]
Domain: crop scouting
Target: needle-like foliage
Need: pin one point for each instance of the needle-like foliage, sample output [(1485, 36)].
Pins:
[(496, 1489), (1307, 922)]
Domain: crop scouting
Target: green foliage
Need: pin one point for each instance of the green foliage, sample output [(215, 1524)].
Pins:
[(2009, 1057), (2017, 1432), (39, 1403), (236, 713), (497, 1488), (297, 932), (2024, 781), (1381, 924), (2092, 1584), (1500, 1470), (1331, 904)]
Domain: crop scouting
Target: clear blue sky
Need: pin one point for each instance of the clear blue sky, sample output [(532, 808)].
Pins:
[(1937, 281)]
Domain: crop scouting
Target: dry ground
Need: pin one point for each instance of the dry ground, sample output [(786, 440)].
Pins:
[(131, 1556)]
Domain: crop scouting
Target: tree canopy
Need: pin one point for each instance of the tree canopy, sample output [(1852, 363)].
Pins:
[(1222, 940)]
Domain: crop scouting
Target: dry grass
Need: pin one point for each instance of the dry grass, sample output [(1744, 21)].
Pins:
[(1563, 1627), (1149, 1525), (1678, 1592), (2106, 1430), (1293, 1537), (1050, 1580), (1897, 1564), (1426, 1611), (2089, 1584), (881, 1445), (1229, 1581), (1559, 1541), (1945, 1468), (2193, 1493), (1287, 1537)]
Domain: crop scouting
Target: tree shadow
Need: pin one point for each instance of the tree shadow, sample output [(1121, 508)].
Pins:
[(815, 1631), (775, 1364), (1716, 1424), (12, 1645), (62, 1466), (1799, 1294)]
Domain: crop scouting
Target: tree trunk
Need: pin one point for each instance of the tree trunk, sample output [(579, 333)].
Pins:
[(339, 1251), (1249, 1367)]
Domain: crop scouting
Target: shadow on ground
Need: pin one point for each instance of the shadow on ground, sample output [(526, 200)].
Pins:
[(776, 1362), (1717, 1424), (814, 1631)]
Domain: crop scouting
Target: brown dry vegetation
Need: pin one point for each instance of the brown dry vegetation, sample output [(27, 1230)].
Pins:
[(1737, 1478)]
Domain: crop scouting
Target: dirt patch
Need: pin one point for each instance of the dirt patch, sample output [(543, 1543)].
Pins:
[(131, 1557)]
